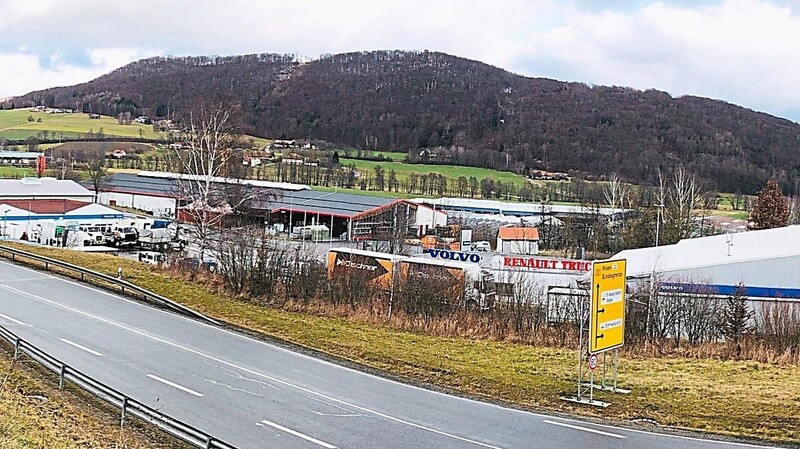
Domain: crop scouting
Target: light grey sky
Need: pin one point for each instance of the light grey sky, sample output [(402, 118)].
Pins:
[(746, 52)]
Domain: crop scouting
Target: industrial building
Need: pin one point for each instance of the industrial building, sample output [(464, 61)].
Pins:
[(20, 158), (21, 218), (766, 263), (515, 209), (282, 205), (159, 193), (43, 188)]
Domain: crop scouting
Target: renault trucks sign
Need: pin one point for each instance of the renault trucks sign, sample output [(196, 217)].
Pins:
[(545, 264)]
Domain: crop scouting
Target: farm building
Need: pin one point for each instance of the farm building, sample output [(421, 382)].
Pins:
[(19, 158), (766, 263), (43, 188)]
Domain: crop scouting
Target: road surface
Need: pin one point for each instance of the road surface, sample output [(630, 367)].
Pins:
[(257, 395)]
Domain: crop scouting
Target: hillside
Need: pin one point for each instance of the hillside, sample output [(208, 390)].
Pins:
[(472, 113)]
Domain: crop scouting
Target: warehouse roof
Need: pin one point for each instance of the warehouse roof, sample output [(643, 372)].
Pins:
[(512, 207), (132, 183), (343, 205), (19, 155), (42, 188), (49, 206), (526, 233), (166, 184), (714, 250)]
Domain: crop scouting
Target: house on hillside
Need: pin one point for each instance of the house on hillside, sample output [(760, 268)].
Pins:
[(518, 240)]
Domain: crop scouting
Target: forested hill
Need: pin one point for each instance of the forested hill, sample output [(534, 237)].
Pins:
[(473, 113)]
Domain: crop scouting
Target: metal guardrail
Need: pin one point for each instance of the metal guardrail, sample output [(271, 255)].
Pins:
[(125, 286), (126, 404)]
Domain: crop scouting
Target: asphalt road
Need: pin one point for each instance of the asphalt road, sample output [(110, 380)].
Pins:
[(257, 395)]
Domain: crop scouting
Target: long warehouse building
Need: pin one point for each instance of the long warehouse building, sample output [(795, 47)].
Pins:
[(766, 263)]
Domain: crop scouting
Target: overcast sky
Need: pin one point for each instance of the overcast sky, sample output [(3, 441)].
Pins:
[(745, 52)]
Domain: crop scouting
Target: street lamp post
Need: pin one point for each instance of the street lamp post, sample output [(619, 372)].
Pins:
[(5, 223)]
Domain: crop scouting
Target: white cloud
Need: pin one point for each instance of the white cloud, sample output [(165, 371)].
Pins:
[(742, 51), (24, 72)]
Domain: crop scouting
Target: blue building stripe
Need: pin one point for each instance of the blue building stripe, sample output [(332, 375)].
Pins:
[(729, 290)]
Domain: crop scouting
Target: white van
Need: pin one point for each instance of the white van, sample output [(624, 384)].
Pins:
[(151, 257), (482, 246)]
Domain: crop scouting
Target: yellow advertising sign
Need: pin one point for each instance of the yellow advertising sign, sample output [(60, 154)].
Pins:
[(607, 312)]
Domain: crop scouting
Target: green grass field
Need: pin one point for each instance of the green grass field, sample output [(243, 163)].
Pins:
[(393, 155), (384, 193), (16, 172), (14, 124), (740, 398), (451, 172)]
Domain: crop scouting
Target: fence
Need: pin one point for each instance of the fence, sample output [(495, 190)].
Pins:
[(127, 405), (124, 286)]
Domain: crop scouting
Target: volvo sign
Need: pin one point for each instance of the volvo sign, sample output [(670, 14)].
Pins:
[(453, 255)]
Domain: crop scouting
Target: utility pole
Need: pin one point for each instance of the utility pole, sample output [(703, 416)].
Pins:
[(658, 221)]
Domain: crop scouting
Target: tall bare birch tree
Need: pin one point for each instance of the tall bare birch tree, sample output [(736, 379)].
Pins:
[(210, 195)]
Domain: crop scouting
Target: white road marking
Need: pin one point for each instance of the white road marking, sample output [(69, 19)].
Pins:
[(174, 385), (585, 429), (298, 434), (8, 318), (357, 372), (347, 414), (72, 343), (255, 373)]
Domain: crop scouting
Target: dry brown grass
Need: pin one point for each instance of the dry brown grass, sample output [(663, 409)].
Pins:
[(35, 414)]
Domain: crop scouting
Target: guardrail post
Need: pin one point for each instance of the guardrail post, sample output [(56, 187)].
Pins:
[(124, 409), (46, 266), (61, 377), (82, 278), (16, 348), (208, 442)]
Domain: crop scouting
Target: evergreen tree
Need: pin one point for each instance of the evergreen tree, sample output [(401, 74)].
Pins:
[(771, 209), (736, 317)]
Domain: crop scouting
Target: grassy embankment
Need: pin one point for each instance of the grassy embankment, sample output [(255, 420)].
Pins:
[(725, 397), (35, 414)]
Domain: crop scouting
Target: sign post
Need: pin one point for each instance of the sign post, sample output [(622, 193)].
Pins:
[(606, 330)]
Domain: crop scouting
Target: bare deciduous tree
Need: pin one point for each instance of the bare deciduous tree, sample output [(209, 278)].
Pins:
[(98, 176), (202, 161)]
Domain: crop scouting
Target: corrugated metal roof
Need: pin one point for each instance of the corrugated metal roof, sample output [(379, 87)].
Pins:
[(326, 203), (132, 183), (53, 206), (713, 251), (311, 202), (42, 187), (19, 154), (511, 207)]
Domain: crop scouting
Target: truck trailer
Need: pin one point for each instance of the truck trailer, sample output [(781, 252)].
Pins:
[(467, 283), (375, 268)]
